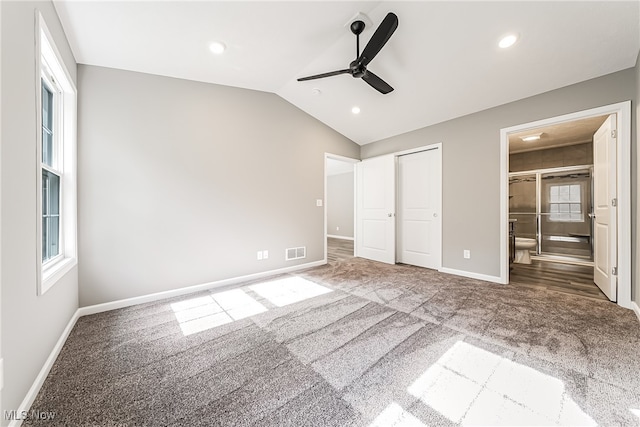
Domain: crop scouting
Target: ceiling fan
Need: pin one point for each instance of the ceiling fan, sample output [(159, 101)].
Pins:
[(358, 67)]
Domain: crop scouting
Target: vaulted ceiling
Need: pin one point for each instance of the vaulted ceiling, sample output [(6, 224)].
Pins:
[(443, 60)]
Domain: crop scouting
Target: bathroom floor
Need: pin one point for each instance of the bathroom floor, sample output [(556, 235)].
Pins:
[(555, 276)]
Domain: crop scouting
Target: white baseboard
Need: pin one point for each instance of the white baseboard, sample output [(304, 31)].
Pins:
[(333, 236), (127, 302), (485, 277), (42, 375), (636, 309)]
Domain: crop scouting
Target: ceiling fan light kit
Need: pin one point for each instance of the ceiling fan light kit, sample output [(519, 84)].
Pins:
[(358, 67)]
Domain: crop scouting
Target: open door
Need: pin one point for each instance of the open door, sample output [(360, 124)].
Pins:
[(604, 202), (375, 213)]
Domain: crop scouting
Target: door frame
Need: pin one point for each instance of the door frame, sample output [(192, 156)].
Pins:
[(345, 159), (623, 178)]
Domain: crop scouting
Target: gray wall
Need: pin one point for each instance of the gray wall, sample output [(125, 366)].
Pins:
[(635, 291), (31, 324), (180, 182), (471, 163), (340, 202)]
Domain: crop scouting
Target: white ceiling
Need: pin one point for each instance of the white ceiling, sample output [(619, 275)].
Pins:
[(443, 60)]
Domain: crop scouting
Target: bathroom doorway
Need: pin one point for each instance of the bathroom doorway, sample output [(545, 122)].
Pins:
[(548, 187), (550, 205)]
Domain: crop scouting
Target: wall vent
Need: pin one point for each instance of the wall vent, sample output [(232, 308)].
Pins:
[(295, 253)]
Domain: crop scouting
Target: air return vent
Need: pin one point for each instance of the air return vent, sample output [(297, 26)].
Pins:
[(295, 253)]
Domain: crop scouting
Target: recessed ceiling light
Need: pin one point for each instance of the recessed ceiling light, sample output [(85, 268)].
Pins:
[(355, 110), (508, 41), (531, 138), (217, 47)]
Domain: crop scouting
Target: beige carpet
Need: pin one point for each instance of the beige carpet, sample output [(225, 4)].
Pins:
[(352, 343)]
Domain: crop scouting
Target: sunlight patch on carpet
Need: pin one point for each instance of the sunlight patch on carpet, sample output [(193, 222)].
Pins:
[(472, 386), (202, 313), (394, 415), (199, 314), (289, 290)]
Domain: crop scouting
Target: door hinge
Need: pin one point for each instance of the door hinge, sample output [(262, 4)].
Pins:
[(614, 134), (614, 271), (614, 202)]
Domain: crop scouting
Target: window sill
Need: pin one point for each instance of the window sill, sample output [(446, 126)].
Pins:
[(53, 273)]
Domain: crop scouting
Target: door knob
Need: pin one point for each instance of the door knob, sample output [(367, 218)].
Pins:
[(435, 215)]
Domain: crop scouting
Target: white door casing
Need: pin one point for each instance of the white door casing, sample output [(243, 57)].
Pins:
[(375, 211), (622, 165), (604, 192), (419, 209), (327, 157)]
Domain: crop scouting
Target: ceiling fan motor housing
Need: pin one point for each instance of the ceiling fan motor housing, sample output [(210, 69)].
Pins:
[(357, 69)]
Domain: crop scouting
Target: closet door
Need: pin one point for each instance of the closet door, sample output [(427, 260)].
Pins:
[(375, 213), (419, 209)]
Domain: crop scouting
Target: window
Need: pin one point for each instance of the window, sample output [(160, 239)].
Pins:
[(51, 173), (565, 203), (56, 148)]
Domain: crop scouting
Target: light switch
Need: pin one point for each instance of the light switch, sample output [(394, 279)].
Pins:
[(259, 256), (265, 254)]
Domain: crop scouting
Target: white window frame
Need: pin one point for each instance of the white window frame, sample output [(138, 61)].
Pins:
[(558, 216), (51, 67)]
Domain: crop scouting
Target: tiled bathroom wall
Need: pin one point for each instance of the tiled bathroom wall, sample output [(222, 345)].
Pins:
[(572, 155)]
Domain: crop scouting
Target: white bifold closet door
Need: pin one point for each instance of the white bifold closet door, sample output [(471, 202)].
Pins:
[(398, 210), (419, 198)]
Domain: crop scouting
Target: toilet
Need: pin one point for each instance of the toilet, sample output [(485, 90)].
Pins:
[(523, 246)]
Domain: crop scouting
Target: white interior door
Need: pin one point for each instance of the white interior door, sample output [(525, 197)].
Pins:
[(604, 192), (375, 212), (419, 209)]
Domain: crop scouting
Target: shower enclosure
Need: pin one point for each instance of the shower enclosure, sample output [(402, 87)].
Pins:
[(554, 206)]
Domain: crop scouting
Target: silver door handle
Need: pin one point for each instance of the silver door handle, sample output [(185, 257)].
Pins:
[(389, 215), (435, 215), (591, 215)]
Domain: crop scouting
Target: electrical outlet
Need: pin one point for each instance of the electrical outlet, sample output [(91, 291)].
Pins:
[(259, 256), (265, 254), (337, 228), (318, 202), (467, 254)]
